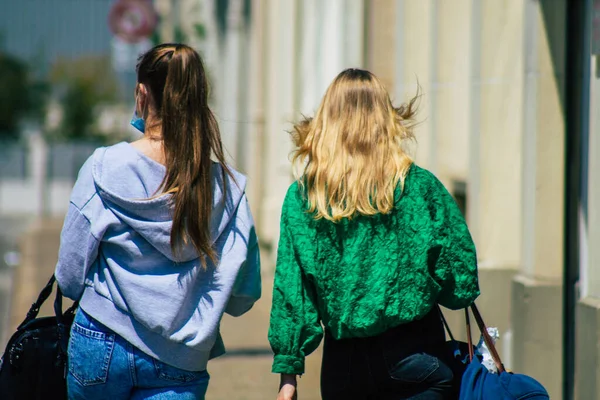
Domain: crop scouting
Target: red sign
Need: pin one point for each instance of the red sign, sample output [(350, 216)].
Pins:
[(132, 20)]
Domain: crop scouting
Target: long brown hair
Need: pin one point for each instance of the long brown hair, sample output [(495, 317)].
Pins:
[(175, 76), (351, 156)]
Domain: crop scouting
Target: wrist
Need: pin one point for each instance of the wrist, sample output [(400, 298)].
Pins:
[(288, 379)]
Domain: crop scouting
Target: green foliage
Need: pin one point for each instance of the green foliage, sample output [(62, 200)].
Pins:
[(39, 94), (82, 86), (155, 36), (21, 96), (179, 35), (13, 96), (200, 31)]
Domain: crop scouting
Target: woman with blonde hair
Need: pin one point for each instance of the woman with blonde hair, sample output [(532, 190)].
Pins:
[(370, 243)]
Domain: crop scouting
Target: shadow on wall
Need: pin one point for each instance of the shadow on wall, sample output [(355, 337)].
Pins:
[(555, 24)]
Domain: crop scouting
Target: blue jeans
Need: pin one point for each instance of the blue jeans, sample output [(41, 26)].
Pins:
[(103, 365), (401, 363)]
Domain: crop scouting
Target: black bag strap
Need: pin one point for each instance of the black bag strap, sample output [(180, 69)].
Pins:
[(60, 323), (446, 326), (58, 306), (469, 338), (35, 307), (43, 296)]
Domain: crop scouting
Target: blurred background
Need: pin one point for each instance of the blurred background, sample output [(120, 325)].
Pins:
[(510, 122)]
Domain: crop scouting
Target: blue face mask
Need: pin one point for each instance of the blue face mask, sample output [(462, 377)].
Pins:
[(138, 123)]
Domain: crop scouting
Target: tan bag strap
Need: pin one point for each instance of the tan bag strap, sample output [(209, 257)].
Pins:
[(486, 337), (469, 338)]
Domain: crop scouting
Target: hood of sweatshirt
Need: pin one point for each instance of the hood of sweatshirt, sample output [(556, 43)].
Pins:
[(129, 187)]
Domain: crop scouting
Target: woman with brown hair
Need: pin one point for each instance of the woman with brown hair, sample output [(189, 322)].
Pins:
[(157, 244), (369, 244)]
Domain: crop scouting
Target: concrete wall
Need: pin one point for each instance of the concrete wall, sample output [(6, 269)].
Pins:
[(298, 47), (494, 180), (587, 356), (537, 290), (415, 57)]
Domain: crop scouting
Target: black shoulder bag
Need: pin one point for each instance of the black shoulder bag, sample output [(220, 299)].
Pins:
[(34, 364)]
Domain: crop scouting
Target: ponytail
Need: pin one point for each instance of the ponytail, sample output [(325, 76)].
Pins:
[(190, 135)]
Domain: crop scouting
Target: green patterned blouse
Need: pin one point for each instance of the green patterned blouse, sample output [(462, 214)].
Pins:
[(361, 277)]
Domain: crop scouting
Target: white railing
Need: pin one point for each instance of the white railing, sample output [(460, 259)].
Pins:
[(36, 178)]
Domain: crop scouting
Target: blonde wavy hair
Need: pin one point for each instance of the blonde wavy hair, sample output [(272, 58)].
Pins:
[(351, 156)]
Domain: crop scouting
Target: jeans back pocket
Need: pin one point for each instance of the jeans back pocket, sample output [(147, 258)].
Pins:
[(90, 352), (177, 375), (415, 368)]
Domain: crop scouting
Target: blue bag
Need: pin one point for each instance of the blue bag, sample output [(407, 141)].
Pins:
[(478, 383)]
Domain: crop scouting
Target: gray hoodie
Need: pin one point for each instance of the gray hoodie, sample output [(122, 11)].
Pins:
[(115, 256)]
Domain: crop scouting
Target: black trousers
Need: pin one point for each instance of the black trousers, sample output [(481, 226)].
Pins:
[(401, 363)]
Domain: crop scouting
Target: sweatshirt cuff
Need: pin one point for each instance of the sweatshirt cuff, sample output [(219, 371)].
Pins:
[(283, 364)]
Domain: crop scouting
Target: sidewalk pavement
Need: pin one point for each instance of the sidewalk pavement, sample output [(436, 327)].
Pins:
[(245, 372)]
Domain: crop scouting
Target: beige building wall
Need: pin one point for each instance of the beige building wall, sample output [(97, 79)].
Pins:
[(451, 80), (494, 178), (425, 44), (495, 143), (298, 47), (537, 290), (254, 142), (414, 59), (281, 41), (380, 35)]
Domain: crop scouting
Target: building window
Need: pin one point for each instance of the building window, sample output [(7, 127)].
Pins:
[(459, 192)]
